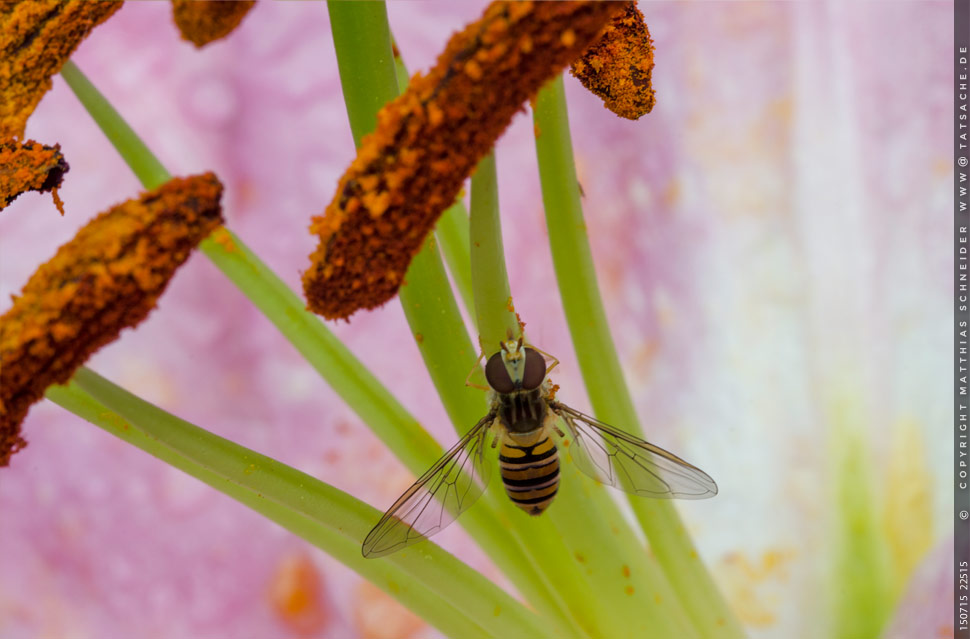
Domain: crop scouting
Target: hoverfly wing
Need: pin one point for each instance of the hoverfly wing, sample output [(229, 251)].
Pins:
[(437, 497), (623, 461)]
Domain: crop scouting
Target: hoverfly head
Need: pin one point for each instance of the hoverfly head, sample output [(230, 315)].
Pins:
[(515, 367)]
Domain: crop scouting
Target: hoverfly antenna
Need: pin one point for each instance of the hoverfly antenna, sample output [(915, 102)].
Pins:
[(512, 350)]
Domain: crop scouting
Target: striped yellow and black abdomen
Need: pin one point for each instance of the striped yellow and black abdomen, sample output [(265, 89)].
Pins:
[(530, 472)]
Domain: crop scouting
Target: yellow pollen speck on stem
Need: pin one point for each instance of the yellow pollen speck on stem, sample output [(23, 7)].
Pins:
[(497, 611), (626, 571), (418, 337), (580, 558), (628, 590), (221, 237)]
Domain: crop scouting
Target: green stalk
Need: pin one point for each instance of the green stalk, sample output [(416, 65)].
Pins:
[(600, 366), (613, 587), (452, 234), (369, 81), (448, 355), (145, 166), (362, 40), (490, 281), (452, 228), (446, 592)]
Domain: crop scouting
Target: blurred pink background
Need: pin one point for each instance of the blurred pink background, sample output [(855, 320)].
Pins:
[(773, 247)]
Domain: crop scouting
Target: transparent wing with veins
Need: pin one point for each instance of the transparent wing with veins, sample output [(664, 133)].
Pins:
[(437, 497), (623, 461)]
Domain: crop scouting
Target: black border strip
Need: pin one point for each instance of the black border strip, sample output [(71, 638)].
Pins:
[(961, 318)]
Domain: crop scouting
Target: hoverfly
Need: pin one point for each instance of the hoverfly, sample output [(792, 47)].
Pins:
[(523, 418)]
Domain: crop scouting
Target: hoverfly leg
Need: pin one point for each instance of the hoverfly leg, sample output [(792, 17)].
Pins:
[(555, 362), (476, 367)]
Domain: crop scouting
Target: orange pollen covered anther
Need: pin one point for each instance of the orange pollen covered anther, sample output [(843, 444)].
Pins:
[(430, 138), (618, 66), (30, 166), (203, 22), (36, 39), (104, 280)]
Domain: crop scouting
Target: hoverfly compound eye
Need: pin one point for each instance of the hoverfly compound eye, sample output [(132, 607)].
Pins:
[(497, 375), (535, 370)]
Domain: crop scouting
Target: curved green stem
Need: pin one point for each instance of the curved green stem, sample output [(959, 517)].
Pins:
[(612, 587), (142, 162), (600, 366), (369, 81), (490, 281), (452, 228), (444, 591), (452, 234)]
